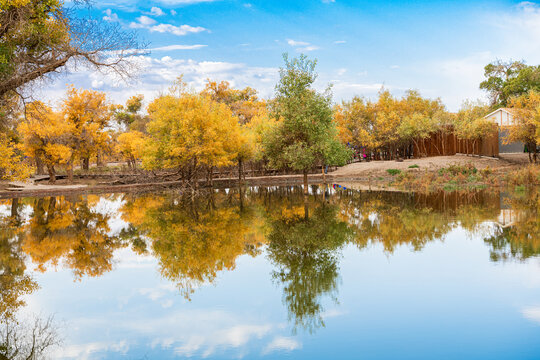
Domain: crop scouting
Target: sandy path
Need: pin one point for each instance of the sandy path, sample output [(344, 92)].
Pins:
[(430, 164)]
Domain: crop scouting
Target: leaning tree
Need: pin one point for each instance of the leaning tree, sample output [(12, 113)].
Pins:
[(40, 38)]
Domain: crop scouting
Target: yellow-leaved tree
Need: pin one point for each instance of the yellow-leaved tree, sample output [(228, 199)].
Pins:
[(246, 106), (526, 128), (12, 164), (190, 132), (130, 145), (470, 124), (89, 113), (46, 136)]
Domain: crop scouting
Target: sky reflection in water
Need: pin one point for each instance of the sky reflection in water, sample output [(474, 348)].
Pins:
[(261, 273)]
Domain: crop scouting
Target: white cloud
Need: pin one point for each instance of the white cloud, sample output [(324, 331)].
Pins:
[(282, 343), (173, 12), (296, 43), (328, 1), (513, 33), (308, 48), (302, 46), (178, 47), (176, 30), (142, 22), (184, 2), (461, 77), (345, 90), (145, 22), (340, 42), (532, 313), (87, 351), (97, 83), (156, 75), (341, 72), (156, 11), (110, 16), (393, 67)]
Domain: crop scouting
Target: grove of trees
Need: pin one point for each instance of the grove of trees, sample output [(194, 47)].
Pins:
[(192, 136)]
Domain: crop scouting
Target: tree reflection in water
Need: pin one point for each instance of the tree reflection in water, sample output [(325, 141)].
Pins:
[(305, 251), (14, 282), (194, 238), (71, 229), (19, 338), (520, 239)]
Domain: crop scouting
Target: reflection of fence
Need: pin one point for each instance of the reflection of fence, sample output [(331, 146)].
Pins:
[(445, 143)]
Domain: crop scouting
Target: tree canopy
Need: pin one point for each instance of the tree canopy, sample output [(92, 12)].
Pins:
[(505, 80), (39, 37), (306, 134)]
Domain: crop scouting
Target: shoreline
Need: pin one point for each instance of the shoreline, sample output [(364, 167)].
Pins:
[(367, 176)]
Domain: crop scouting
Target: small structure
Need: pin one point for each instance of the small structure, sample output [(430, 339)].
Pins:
[(505, 119), (446, 143)]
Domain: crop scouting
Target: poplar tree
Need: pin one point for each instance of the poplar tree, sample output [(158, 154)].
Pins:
[(306, 134)]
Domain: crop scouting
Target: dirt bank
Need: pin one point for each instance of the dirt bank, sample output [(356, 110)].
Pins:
[(379, 168), (367, 175)]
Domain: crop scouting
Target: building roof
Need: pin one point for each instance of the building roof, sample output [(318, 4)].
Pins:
[(504, 109)]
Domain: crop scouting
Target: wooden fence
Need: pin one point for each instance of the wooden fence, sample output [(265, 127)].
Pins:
[(445, 143)]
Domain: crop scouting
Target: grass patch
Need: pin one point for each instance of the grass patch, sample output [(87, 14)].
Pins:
[(527, 176), (414, 166), (393, 172), (455, 170)]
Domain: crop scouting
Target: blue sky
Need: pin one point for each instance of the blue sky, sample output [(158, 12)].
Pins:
[(437, 47)]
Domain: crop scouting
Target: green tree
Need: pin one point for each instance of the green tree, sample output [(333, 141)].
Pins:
[(129, 116), (505, 80), (305, 250), (306, 134)]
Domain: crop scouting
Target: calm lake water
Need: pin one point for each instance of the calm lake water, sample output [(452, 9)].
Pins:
[(263, 273)]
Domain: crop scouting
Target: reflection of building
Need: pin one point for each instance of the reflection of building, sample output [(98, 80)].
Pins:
[(505, 119), (508, 216)]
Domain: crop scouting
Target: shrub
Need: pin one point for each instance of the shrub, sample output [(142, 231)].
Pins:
[(413, 166), (456, 169), (526, 176), (393, 172)]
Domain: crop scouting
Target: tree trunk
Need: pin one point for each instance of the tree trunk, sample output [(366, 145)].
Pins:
[(306, 207), (99, 159), (39, 166), (323, 175), (86, 163), (52, 174), (15, 208), (70, 171), (305, 182), (239, 171), (195, 173)]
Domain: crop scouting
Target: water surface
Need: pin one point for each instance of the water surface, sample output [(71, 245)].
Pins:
[(264, 273)]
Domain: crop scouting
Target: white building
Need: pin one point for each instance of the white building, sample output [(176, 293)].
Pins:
[(503, 117)]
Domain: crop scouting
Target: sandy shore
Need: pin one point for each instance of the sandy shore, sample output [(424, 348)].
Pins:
[(366, 175)]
